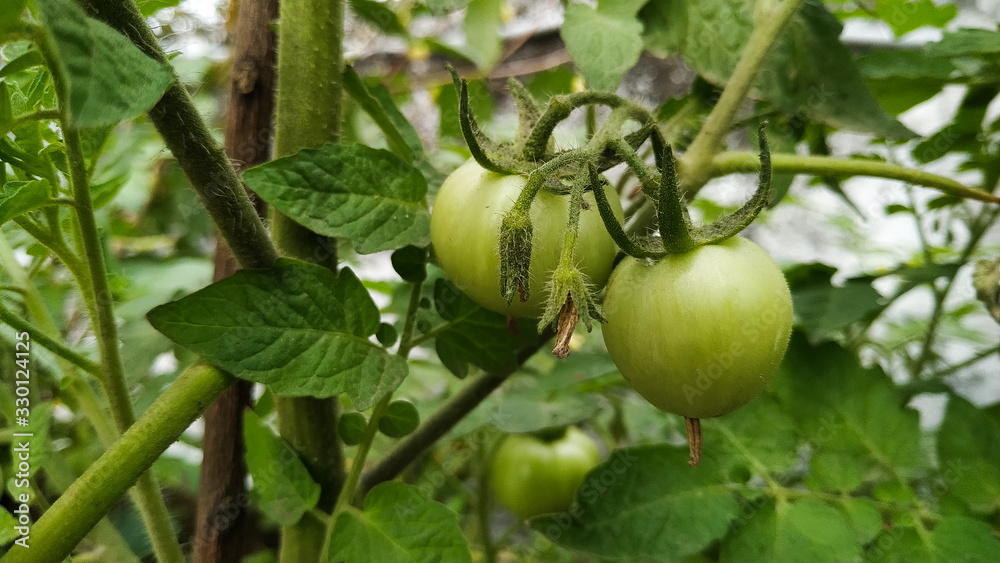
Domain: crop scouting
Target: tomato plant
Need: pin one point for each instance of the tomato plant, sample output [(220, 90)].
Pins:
[(531, 475), (700, 333), (465, 232)]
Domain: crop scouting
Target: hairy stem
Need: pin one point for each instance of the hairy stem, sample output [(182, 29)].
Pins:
[(697, 163)]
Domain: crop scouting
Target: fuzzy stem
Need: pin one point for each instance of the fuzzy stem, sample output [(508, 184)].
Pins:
[(198, 153), (147, 493), (744, 161), (559, 109), (83, 504), (697, 163)]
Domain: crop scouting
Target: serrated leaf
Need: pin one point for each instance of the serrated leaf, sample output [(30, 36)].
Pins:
[(107, 78), (369, 196), (295, 327), (804, 530), (852, 416), (19, 197), (604, 43), (808, 70), (645, 503), (759, 436), (475, 335), (956, 539), (281, 483), (968, 445), (401, 525)]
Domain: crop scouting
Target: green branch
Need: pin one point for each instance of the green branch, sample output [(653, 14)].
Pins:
[(50, 344), (62, 527), (741, 161), (768, 23)]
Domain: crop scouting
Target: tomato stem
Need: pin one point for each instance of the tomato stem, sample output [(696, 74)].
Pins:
[(693, 426)]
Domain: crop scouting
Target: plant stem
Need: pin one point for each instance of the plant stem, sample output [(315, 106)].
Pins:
[(147, 493), (83, 504), (189, 139), (50, 344), (443, 420), (743, 161), (697, 163)]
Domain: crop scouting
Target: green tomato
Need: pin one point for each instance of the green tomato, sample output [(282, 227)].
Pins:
[(465, 232), (530, 476), (699, 334)]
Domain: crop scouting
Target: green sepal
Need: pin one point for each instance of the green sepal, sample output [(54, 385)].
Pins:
[(609, 158), (481, 146), (629, 245), (568, 282), (528, 112), (740, 219), (515, 254), (674, 220)]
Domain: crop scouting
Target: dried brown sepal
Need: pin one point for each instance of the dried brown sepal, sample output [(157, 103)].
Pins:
[(568, 317), (694, 439)]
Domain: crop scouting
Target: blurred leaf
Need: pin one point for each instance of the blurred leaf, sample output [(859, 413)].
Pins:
[(400, 418), (968, 446), (369, 196), (296, 327), (150, 7), (823, 309), (864, 516), (963, 132), (808, 71), (17, 197), (852, 416), (524, 411), (605, 42), (965, 42), (351, 428), (379, 15), (7, 532), (955, 539), (480, 101), (401, 136), (645, 503), (10, 17), (904, 16), (107, 78), (913, 276), (475, 335), (803, 530), (482, 33), (282, 484), (401, 525), (410, 263), (901, 78), (25, 61)]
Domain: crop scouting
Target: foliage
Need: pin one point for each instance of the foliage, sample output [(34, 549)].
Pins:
[(878, 438)]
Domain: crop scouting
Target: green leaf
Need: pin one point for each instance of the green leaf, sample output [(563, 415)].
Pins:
[(823, 309), (401, 525), (410, 262), (962, 134), (968, 446), (645, 503), (965, 42), (864, 516), (369, 196), (10, 15), (400, 418), (351, 428), (759, 436), (482, 33), (807, 72), (25, 61), (956, 539), (901, 78), (852, 416), (379, 15), (393, 125), (805, 530), (605, 42), (7, 532), (282, 484), (904, 16), (475, 335), (295, 327), (150, 7), (531, 410), (19, 197), (107, 78)]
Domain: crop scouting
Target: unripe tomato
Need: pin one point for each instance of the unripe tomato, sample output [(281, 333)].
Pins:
[(699, 334), (465, 232), (530, 476)]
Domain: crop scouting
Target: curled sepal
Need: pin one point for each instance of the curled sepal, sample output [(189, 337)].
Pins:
[(672, 214), (528, 111), (477, 141), (571, 299), (614, 228), (515, 254), (610, 157), (740, 219)]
